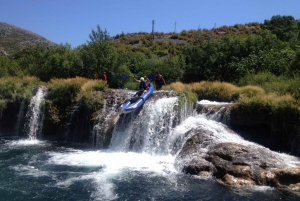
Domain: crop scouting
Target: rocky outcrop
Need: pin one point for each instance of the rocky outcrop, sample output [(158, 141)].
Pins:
[(237, 164), (107, 117), (258, 127)]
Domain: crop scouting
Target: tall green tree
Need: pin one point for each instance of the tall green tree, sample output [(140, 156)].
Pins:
[(98, 35), (285, 27)]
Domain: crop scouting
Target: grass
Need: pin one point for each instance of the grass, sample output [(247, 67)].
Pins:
[(253, 104), (217, 91), (274, 84), (63, 94), (16, 89), (275, 105), (90, 94)]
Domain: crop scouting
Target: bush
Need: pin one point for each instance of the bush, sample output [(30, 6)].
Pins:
[(274, 84), (63, 94), (91, 96), (61, 97), (17, 88)]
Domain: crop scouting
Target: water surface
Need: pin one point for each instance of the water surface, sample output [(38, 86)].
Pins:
[(41, 170)]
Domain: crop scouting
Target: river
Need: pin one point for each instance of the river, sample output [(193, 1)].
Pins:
[(138, 165), (42, 170)]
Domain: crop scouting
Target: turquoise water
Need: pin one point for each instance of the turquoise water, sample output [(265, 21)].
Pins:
[(41, 170)]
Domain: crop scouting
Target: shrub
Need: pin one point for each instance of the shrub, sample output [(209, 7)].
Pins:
[(217, 91), (94, 85), (279, 113), (91, 96), (63, 94), (2, 104), (17, 88), (61, 97), (274, 84), (249, 91)]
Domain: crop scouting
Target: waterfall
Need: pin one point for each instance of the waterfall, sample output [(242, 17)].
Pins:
[(154, 129), (146, 130), (34, 118)]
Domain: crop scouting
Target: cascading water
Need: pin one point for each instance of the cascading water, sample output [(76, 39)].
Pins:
[(139, 164), (34, 115), (146, 130)]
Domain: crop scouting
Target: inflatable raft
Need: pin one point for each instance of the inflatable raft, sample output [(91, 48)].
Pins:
[(136, 102)]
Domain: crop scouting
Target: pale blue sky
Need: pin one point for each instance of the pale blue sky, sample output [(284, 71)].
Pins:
[(71, 21)]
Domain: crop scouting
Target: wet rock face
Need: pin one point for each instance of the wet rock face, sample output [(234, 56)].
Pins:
[(108, 115), (236, 164)]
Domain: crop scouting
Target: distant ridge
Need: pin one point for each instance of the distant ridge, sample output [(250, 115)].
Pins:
[(13, 38)]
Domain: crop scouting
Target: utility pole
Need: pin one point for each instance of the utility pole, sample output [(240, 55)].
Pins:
[(153, 29), (175, 28)]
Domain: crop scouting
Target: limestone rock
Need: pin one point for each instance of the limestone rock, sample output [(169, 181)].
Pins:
[(236, 164)]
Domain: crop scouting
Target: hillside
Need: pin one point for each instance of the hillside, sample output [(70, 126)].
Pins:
[(13, 38)]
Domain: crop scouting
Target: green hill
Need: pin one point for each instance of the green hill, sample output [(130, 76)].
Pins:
[(13, 38)]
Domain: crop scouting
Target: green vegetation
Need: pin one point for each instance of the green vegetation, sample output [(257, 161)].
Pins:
[(16, 89), (63, 94), (256, 65)]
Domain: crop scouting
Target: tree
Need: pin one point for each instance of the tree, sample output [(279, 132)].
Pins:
[(285, 27), (98, 35)]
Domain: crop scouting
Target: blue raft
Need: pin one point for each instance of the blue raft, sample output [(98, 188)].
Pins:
[(136, 102)]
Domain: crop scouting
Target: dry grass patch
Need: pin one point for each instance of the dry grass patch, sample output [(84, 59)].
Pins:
[(93, 85)]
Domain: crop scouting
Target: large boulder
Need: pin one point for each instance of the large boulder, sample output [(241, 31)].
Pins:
[(237, 164)]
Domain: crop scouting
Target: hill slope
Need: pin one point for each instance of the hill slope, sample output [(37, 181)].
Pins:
[(13, 38)]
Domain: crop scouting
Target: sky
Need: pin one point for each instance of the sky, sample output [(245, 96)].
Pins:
[(71, 21)]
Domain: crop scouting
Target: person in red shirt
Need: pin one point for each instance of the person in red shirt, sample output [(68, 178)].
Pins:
[(104, 77)]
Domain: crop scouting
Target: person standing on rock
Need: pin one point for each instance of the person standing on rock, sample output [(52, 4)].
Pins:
[(159, 81), (104, 77)]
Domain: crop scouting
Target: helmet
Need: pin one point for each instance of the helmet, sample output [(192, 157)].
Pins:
[(142, 79)]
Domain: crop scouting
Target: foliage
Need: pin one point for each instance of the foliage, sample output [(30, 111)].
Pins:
[(2, 104), (17, 88), (91, 96), (9, 67), (98, 35), (265, 55), (47, 63), (279, 113), (280, 85), (64, 94), (187, 96)]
